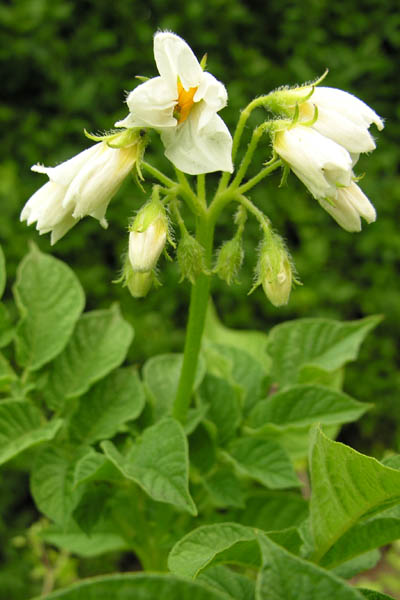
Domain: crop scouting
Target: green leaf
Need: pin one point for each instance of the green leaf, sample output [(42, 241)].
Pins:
[(373, 595), (346, 486), (94, 466), (202, 448), (303, 405), (7, 331), (241, 369), (117, 398), (318, 376), (140, 586), (50, 299), (273, 510), (224, 488), (92, 506), (223, 406), (52, 482), (159, 463), (161, 376), (103, 538), (284, 576), (321, 343), (98, 345), (22, 426), (263, 460), (7, 374), (227, 581), (361, 538), (3, 275), (198, 548), (253, 342), (359, 564)]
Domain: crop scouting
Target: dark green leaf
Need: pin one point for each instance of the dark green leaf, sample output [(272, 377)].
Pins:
[(303, 405), (346, 486), (284, 576), (321, 343), (98, 345), (52, 483), (22, 426), (159, 463), (117, 398), (263, 460), (141, 586), (50, 299), (161, 376)]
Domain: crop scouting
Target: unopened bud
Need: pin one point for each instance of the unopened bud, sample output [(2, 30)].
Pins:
[(148, 234), (229, 259), (191, 257), (274, 270), (139, 282)]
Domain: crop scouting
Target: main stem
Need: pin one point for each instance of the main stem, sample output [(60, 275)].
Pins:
[(197, 315)]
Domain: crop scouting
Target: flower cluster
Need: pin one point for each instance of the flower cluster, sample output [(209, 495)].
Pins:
[(330, 129), (319, 135)]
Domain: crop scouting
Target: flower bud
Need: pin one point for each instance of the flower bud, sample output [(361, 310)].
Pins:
[(139, 283), (229, 259), (191, 258), (147, 237), (274, 270)]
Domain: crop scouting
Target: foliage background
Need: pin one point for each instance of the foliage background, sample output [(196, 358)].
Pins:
[(65, 65)]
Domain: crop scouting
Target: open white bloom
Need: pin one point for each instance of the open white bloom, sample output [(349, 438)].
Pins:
[(320, 163), (342, 117), (348, 206), (83, 185), (182, 104)]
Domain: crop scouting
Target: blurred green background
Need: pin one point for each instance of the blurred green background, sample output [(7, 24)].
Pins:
[(66, 65)]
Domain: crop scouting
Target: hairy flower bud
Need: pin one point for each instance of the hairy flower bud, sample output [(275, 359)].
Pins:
[(191, 257), (229, 259), (274, 270), (147, 237)]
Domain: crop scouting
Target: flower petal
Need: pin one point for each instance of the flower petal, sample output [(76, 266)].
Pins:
[(360, 202), (348, 105), (174, 58), (96, 183), (64, 173), (151, 104), (343, 212), (194, 149), (318, 162)]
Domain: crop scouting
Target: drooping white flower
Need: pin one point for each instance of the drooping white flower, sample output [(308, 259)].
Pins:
[(182, 104), (320, 163), (348, 206), (342, 117), (83, 185)]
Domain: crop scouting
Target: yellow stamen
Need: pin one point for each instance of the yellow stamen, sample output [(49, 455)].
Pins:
[(185, 102)]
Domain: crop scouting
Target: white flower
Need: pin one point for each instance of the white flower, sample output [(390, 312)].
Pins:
[(182, 104), (348, 206), (342, 117), (320, 163), (83, 185)]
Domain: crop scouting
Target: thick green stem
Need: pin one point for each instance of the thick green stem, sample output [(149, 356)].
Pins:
[(197, 315)]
